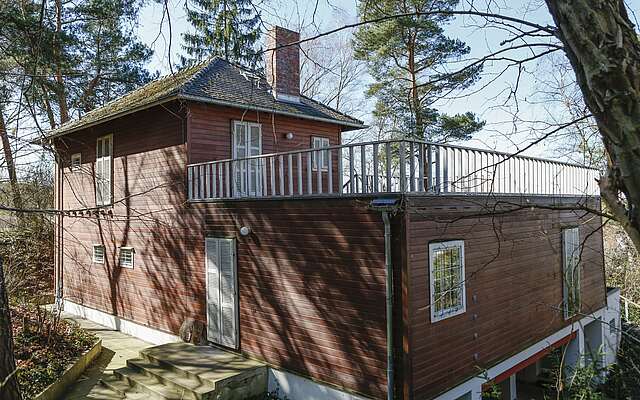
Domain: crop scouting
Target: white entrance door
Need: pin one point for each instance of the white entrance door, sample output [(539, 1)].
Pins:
[(247, 142), (222, 294)]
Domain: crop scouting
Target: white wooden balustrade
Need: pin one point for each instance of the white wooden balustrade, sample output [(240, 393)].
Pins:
[(393, 166)]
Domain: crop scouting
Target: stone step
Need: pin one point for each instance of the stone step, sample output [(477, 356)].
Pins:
[(103, 392), (151, 385), (204, 363), (121, 388), (199, 388)]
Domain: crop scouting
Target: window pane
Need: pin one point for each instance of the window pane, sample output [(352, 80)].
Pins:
[(447, 276)]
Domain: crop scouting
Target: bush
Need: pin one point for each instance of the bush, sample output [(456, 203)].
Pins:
[(44, 346)]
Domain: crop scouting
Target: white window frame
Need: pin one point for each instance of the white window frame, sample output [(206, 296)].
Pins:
[(104, 182), (571, 248), (438, 315), (76, 161), (320, 142), (93, 254), (133, 257)]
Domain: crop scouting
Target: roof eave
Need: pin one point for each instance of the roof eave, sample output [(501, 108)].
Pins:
[(111, 117)]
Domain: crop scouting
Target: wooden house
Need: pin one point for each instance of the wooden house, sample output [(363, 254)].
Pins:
[(394, 268)]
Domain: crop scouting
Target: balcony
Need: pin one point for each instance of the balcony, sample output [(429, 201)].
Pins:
[(387, 167)]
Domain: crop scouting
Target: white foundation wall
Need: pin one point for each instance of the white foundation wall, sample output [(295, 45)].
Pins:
[(142, 332), (294, 387), (606, 318)]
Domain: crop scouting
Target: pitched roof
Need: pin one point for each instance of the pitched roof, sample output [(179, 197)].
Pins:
[(214, 81)]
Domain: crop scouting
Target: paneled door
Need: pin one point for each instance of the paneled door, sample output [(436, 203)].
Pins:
[(222, 293), (247, 174)]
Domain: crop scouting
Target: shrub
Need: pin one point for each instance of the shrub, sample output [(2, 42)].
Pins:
[(44, 346)]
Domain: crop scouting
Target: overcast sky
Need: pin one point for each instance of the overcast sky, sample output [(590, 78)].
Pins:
[(498, 133)]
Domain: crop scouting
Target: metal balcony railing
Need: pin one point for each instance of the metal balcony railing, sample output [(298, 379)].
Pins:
[(386, 167)]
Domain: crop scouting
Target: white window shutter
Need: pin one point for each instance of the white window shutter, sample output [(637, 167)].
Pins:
[(228, 292), (213, 290), (222, 325), (107, 171)]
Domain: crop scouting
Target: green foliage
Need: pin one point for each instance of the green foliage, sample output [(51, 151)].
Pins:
[(26, 244), (406, 57), (624, 377), (44, 346), (76, 59), (226, 28)]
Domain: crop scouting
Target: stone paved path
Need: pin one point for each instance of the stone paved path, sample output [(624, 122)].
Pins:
[(116, 349)]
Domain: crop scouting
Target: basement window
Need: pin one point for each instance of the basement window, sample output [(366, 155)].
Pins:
[(446, 279), (98, 254), (76, 161), (126, 257)]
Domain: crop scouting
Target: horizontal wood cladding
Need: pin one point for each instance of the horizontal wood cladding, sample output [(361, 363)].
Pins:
[(311, 274), (311, 300), (210, 131), (513, 262)]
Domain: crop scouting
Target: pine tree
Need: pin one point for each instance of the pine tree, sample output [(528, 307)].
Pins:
[(225, 28), (405, 56)]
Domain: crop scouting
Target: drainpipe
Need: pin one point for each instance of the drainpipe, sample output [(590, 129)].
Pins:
[(386, 206), (389, 268)]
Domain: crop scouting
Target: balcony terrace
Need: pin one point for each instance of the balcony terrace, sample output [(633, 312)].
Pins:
[(387, 167)]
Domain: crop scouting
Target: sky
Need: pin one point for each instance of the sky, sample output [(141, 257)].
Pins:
[(486, 98)]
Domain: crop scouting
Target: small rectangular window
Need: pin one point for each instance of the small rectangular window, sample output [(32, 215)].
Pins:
[(321, 157), (447, 279), (98, 254), (126, 257), (571, 271), (76, 161)]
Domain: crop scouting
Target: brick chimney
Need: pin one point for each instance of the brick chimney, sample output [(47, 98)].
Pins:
[(283, 65)]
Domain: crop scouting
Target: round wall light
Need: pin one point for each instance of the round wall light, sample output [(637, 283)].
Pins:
[(245, 230), (289, 135)]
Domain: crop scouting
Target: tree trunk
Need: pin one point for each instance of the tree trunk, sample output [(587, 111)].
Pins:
[(603, 48), (8, 383), (11, 166)]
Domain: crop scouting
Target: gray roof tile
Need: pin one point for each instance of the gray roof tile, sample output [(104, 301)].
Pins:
[(215, 81)]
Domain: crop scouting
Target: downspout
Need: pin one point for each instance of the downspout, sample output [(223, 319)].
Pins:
[(389, 284), (58, 233), (387, 206)]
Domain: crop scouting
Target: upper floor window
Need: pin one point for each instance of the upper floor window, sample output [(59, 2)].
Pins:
[(76, 161), (447, 279), (571, 271), (126, 257), (98, 254), (103, 173), (320, 157)]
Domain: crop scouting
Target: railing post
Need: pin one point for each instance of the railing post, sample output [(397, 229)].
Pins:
[(429, 168), (388, 166), (299, 164), (412, 168), (363, 167), (309, 174), (445, 170), (403, 168), (352, 183), (190, 182), (290, 173), (376, 184), (340, 171), (421, 167), (329, 172)]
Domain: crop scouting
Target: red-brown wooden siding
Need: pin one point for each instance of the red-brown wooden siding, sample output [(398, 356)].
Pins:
[(513, 267), (311, 274)]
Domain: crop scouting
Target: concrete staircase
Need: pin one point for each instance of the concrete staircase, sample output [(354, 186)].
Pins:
[(177, 371)]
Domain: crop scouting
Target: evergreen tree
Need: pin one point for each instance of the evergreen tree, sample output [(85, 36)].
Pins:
[(224, 28), (406, 57)]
